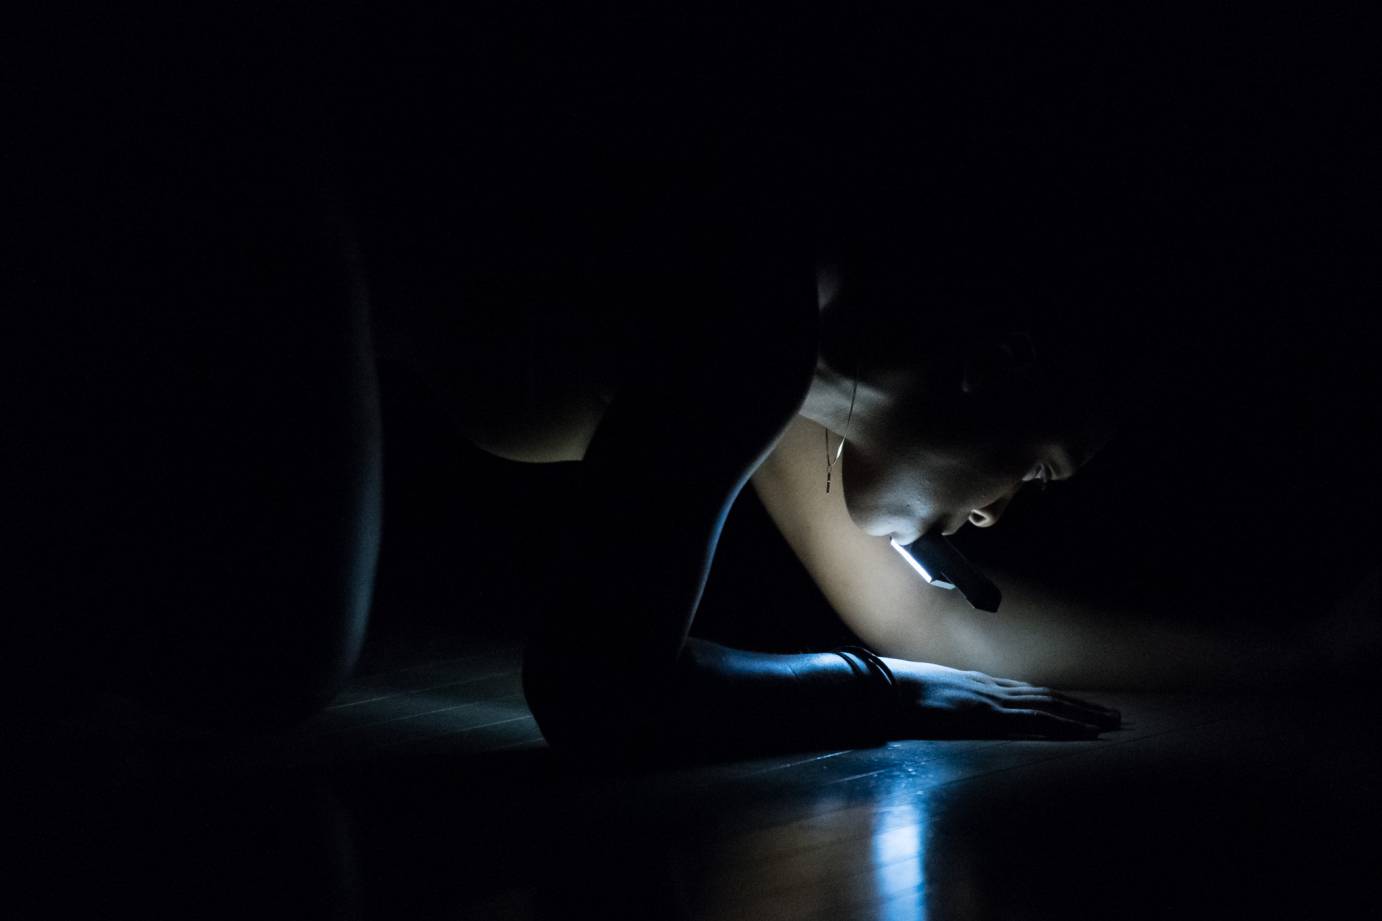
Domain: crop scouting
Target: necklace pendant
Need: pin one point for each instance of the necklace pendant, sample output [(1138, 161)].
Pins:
[(827, 481)]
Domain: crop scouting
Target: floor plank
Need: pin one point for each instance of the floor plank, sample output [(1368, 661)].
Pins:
[(426, 790)]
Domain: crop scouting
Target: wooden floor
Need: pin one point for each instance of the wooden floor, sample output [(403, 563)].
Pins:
[(425, 791)]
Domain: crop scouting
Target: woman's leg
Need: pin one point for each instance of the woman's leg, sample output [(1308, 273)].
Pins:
[(190, 416), (271, 530), (206, 441)]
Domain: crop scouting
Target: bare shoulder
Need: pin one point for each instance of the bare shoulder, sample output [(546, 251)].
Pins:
[(531, 363)]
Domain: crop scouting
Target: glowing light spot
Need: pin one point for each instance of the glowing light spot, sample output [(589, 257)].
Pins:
[(899, 854), (916, 564)]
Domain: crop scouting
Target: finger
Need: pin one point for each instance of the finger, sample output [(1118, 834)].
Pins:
[(1070, 709), (1103, 714), (1082, 702), (1050, 725), (1061, 695)]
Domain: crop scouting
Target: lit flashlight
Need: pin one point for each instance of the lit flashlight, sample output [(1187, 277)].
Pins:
[(937, 561)]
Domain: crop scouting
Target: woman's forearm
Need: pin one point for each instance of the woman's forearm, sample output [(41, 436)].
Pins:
[(716, 701), (1058, 639), (1040, 635), (741, 701)]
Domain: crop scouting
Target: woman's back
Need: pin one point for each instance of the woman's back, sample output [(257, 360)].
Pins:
[(540, 200)]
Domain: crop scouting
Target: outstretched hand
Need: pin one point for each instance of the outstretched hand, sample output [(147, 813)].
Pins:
[(938, 702)]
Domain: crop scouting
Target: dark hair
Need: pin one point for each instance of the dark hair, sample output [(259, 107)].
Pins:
[(1028, 260), (978, 184), (1041, 249)]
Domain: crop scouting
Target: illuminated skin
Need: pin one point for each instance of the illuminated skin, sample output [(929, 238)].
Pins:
[(910, 473), (923, 457), (919, 457)]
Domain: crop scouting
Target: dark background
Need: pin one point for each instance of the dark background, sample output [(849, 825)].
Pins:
[(1244, 488)]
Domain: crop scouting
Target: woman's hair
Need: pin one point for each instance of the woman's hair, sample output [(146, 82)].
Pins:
[(1068, 300), (981, 187)]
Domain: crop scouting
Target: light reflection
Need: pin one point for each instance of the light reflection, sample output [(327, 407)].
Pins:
[(899, 856), (848, 857)]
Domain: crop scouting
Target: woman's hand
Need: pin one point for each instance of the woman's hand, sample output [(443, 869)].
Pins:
[(937, 702)]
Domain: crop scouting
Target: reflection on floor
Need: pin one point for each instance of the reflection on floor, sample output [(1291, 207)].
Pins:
[(427, 792)]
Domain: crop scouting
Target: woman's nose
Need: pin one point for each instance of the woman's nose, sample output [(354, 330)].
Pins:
[(988, 516)]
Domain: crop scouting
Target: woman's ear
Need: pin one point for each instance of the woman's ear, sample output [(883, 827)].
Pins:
[(998, 363)]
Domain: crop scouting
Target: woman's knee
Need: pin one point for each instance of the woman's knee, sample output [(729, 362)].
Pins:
[(252, 514), (260, 619)]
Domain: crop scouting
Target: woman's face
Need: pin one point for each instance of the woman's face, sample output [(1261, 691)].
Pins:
[(930, 454), (902, 479)]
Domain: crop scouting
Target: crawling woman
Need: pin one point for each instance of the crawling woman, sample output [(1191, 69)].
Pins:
[(674, 312)]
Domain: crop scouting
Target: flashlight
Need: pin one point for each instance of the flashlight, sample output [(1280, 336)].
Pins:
[(937, 561)]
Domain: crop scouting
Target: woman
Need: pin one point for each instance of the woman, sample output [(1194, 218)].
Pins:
[(657, 299), (681, 328), (853, 437)]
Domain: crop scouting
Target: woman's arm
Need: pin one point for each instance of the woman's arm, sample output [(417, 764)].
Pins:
[(609, 671), (1038, 636)]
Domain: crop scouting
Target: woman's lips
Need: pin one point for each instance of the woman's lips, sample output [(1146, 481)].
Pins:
[(907, 538)]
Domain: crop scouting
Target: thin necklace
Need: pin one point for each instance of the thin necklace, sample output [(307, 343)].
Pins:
[(829, 461)]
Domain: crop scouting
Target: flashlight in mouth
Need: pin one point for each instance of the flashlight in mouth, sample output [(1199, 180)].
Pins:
[(937, 561)]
